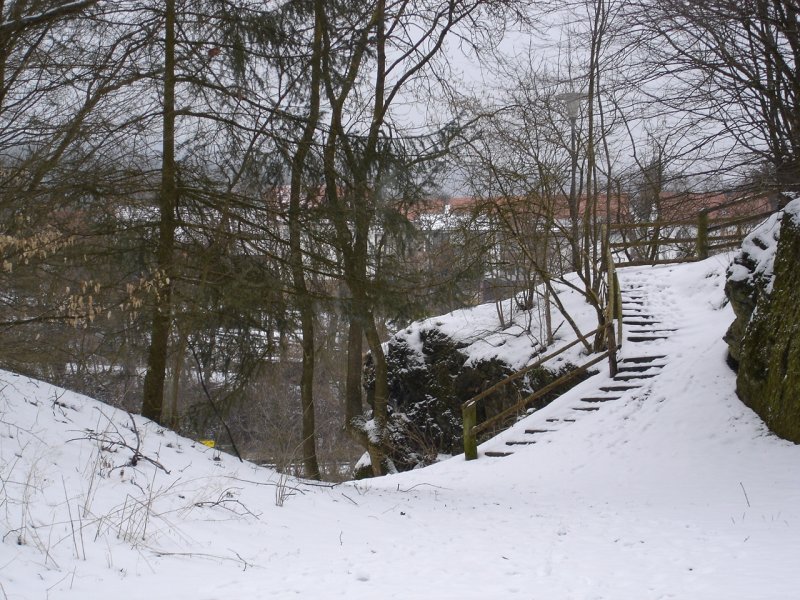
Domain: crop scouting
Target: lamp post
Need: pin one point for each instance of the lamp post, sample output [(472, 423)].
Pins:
[(572, 101)]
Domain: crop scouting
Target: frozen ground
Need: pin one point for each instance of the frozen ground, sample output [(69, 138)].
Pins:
[(675, 490)]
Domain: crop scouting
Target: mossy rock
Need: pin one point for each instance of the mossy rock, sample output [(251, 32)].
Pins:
[(768, 378)]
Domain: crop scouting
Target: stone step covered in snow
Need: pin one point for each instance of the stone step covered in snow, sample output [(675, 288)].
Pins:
[(643, 327)]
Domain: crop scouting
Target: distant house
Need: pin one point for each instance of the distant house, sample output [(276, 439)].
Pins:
[(672, 215)]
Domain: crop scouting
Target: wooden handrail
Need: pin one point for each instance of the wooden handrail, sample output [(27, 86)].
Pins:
[(730, 203), (722, 224), (734, 237), (613, 309), (513, 377), (469, 409), (653, 224), (522, 404), (660, 261), (730, 244), (701, 246), (674, 223), (704, 242), (649, 242)]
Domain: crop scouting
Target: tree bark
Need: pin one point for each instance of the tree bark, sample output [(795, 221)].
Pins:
[(353, 396)]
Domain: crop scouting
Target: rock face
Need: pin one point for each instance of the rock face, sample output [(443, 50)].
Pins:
[(750, 279), (764, 340)]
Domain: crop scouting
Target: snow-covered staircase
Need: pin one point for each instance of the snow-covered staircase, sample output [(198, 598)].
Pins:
[(645, 326)]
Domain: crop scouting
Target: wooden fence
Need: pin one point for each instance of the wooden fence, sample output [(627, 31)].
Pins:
[(700, 236)]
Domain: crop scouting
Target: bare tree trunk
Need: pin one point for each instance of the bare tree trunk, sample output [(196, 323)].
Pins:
[(171, 412), (380, 408), (303, 296), (310, 463), (153, 400), (591, 275), (353, 397)]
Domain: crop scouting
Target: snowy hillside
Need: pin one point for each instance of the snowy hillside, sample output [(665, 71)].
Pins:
[(672, 490)]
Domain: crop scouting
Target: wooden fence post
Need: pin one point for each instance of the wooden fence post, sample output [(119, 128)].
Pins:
[(613, 311), (612, 350), (469, 414), (702, 234), (618, 308)]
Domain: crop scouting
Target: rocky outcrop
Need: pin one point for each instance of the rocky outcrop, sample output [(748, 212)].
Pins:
[(429, 379), (764, 340), (750, 279)]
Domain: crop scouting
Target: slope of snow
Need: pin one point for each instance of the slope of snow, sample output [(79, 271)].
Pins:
[(676, 491), (518, 338)]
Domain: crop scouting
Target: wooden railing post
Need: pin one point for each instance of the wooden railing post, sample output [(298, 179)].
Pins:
[(618, 308), (612, 310), (612, 350), (702, 234), (469, 413)]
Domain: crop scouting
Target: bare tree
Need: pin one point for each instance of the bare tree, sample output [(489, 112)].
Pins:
[(392, 47), (734, 65)]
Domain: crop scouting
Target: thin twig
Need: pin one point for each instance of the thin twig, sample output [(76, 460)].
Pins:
[(745, 494), (80, 529), (199, 555), (135, 429), (224, 499), (71, 522), (272, 483), (202, 382), (438, 487)]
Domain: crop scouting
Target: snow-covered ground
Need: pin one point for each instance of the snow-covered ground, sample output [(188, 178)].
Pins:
[(675, 490)]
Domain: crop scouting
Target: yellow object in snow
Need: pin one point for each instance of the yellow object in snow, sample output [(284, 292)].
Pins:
[(209, 443)]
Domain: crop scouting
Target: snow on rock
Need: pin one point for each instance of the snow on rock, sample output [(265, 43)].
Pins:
[(768, 350), (755, 263), (792, 209), (515, 339), (751, 274)]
